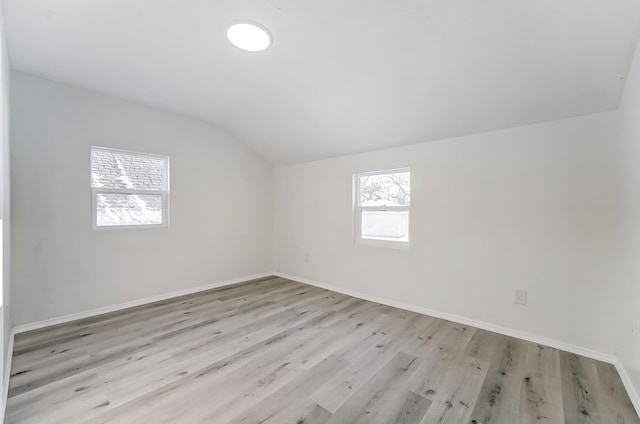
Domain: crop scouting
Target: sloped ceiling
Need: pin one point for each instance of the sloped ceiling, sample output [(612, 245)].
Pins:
[(341, 76)]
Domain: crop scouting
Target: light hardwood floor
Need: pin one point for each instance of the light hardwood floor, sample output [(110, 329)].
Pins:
[(276, 351)]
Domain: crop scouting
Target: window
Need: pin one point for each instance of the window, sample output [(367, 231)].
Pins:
[(382, 201), (129, 189)]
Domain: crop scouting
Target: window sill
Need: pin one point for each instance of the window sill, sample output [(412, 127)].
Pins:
[(128, 227), (389, 244)]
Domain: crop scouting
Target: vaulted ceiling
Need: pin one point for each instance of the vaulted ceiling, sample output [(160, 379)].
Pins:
[(341, 76)]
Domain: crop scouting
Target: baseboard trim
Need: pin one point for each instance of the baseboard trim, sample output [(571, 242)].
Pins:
[(578, 350), (460, 319), (611, 359), (628, 384), (138, 302), (7, 375)]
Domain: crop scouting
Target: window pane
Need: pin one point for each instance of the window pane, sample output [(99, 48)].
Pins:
[(128, 209), (385, 189), (385, 225), (122, 170)]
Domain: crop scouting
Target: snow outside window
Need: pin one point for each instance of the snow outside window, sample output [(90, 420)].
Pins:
[(382, 203), (129, 189)]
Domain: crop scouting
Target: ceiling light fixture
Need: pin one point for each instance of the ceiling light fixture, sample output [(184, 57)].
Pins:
[(250, 36)]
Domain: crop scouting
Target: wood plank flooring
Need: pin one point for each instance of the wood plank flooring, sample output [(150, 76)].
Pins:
[(274, 351)]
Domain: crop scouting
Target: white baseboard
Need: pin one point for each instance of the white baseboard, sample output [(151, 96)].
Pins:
[(7, 375), (113, 308), (611, 359), (628, 384), (461, 320), (578, 350)]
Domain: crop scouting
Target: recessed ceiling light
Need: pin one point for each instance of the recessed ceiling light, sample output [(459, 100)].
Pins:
[(250, 36)]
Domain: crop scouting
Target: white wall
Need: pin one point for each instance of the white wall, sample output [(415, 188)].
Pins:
[(5, 209), (629, 292), (221, 203), (532, 207)]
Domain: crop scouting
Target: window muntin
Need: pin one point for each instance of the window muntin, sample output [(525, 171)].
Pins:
[(383, 200), (129, 189)]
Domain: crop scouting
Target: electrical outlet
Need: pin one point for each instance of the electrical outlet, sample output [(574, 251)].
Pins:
[(520, 297), (306, 257), (634, 327)]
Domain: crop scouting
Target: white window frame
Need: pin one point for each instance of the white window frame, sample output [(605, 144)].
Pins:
[(358, 209), (99, 190)]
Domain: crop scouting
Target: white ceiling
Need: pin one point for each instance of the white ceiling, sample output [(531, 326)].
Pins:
[(342, 76)]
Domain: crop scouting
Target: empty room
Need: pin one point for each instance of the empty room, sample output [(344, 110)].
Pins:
[(320, 211)]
